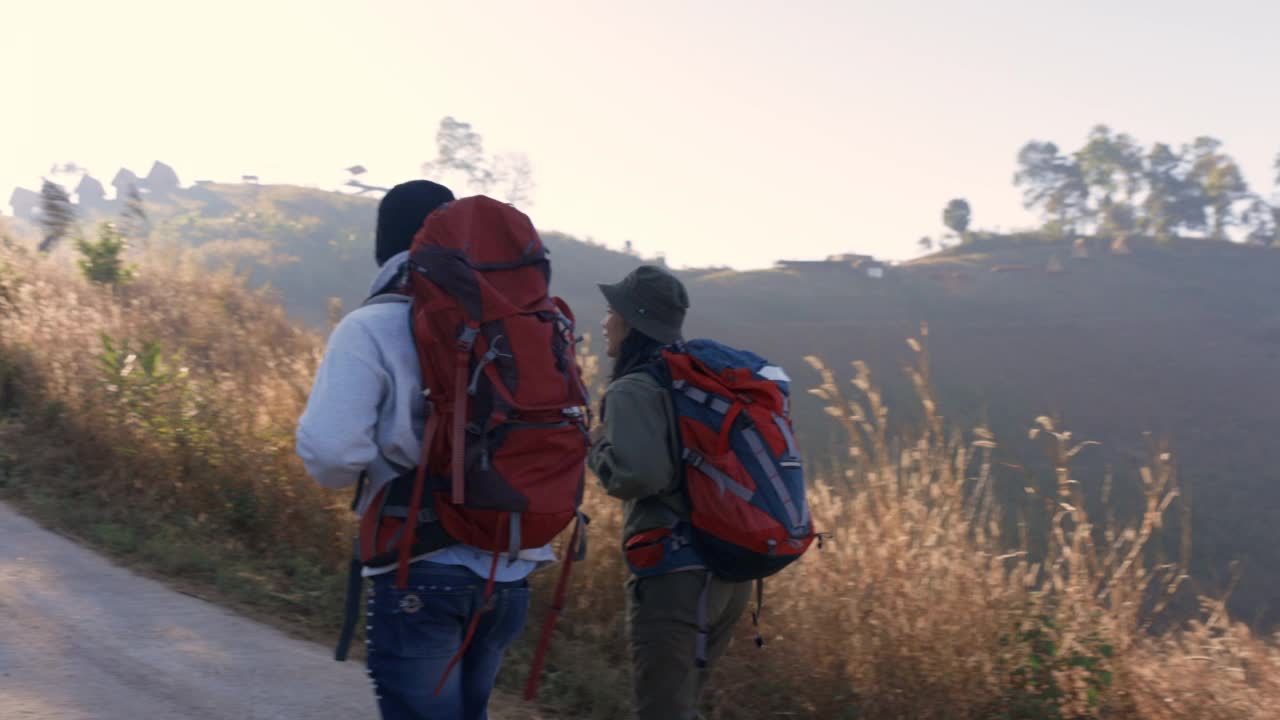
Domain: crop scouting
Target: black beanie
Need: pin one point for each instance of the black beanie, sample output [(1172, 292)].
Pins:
[(401, 214)]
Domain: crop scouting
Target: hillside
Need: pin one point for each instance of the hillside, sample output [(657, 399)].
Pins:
[(1180, 339), (153, 420)]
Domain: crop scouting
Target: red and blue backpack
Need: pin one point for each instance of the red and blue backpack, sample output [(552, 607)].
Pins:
[(740, 466)]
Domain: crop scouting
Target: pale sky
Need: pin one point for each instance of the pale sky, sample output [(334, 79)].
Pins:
[(726, 133)]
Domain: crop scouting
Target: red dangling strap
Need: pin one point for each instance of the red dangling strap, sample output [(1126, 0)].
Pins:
[(471, 626), (557, 605)]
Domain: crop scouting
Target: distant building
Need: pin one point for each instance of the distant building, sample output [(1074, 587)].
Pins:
[(162, 179), (26, 204), (810, 265), (849, 258), (845, 262), (124, 180), (90, 193)]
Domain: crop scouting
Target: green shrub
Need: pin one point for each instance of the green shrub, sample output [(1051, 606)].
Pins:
[(102, 261)]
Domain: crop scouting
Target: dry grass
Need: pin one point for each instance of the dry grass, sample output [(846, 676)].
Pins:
[(178, 454), (927, 601)]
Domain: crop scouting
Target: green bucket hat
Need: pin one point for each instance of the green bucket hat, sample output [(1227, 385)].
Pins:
[(651, 300)]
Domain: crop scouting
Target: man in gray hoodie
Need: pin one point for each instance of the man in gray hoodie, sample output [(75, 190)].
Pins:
[(366, 416)]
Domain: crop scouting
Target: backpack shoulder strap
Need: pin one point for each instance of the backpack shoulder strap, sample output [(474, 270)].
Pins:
[(657, 366), (385, 298)]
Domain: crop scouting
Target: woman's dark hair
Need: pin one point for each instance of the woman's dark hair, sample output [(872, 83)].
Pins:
[(637, 349)]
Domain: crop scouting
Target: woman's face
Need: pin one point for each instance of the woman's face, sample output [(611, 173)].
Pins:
[(615, 329)]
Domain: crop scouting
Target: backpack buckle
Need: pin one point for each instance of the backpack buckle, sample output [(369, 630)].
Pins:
[(692, 457), (467, 338)]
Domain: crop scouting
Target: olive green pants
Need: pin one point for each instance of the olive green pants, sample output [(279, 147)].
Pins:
[(662, 620)]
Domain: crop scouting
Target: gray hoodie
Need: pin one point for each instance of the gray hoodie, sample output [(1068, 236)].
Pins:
[(366, 413)]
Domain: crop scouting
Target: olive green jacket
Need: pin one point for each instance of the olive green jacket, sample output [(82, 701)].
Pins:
[(634, 455)]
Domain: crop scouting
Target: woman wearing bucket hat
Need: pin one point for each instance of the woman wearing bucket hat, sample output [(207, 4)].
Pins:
[(633, 454)]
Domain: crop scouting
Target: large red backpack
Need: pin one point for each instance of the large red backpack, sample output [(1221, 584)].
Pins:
[(505, 443)]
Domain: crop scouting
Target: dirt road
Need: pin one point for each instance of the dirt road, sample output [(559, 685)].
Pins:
[(82, 638)]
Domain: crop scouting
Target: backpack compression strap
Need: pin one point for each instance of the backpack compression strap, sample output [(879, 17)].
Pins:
[(415, 502), (466, 340)]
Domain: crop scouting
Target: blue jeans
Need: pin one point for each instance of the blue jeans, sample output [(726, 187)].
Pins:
[(415, 632)]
